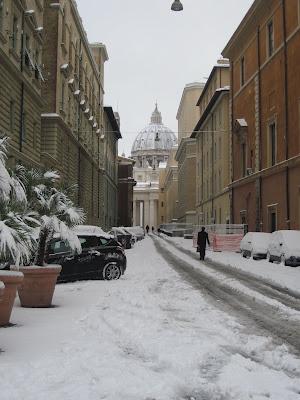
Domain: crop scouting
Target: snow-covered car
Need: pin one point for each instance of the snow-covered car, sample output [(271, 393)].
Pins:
[(102, 257), (138, 231), (133, 236), (285, 247), (255, 245), (121, 236)]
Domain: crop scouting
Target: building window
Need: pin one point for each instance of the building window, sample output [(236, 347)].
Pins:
[(272, 217), (63, 27), (272, 144), (1, 14), (270, 38), (11, 116), (34, 135), (244, 159), (242, 67), (23, 126), (62, 103), (162, 203), (14, 37)]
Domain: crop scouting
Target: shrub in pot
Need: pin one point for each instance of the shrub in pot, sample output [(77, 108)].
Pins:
[(16, 228), (58, 216)]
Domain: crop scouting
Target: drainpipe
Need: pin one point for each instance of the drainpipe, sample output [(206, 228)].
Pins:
[(213, 166), (22, 86), (232, 165), (78, 130), (259, 221), (286, 116), (202, 141)]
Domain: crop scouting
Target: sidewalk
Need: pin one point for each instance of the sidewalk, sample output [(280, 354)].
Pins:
[(286, 277)]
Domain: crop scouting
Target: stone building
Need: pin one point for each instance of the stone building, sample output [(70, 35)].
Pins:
[(126, 183), (21, 78), (151, 147), (109, 170), (264, 55), (72, 118), (51, 98), (168, 185), (213, 149), (187, 116)]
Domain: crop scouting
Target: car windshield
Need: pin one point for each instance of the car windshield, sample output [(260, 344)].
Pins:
[(59, 246), (89, 241)]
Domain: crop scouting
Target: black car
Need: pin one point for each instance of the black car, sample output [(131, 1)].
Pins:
[(101, 258), (123, 237)]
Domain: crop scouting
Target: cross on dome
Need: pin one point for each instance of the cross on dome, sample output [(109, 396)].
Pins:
[(156, 116)]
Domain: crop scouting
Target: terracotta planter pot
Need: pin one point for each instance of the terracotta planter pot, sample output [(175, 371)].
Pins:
[(2, 287), (38, 285), (11, 281)]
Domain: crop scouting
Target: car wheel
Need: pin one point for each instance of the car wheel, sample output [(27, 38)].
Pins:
[(244, 254), (111, 271)]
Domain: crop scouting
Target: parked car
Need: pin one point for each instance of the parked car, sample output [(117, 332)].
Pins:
[(138, 231), (133, 236), (255, 245), (285, 247), (121, 236), (102, 256)]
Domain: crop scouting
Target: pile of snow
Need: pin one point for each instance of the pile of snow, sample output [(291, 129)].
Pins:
[(149, 335)]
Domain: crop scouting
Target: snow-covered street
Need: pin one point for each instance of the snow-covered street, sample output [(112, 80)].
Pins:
[(169, 329)]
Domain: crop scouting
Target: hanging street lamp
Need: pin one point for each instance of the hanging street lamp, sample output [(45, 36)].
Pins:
[(177, 6)]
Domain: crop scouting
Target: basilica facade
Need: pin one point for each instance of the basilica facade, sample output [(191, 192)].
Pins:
[(151, 150)]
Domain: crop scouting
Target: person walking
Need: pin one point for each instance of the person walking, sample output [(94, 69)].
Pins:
[(152, 229), (147, 229), (201, 242)]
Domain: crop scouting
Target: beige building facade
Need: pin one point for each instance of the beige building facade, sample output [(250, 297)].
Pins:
[(187, 116), (72, 118), (146, 197), (51, 98), (212, 135), (21, 78), (169, 187)]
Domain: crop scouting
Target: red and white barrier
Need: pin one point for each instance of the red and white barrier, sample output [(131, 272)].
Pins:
[(221, 242)]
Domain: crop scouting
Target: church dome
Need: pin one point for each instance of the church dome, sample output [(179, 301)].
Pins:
[(155, 136)]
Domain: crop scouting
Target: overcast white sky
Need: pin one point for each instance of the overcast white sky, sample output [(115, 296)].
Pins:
[(154, 52)]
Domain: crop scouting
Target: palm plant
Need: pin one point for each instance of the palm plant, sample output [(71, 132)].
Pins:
[(16, 221), (57, 213)]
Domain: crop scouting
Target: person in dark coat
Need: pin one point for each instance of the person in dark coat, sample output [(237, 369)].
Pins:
[(147, 229), (152, 229), (201, 242)]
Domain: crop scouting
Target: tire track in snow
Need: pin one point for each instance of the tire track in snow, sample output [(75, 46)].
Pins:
[(285, 296), (264, 315)]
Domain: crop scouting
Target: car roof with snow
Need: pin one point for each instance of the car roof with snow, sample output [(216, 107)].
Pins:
[(91, 230)]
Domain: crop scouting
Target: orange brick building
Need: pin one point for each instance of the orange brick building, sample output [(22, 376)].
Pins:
[(264, 55)]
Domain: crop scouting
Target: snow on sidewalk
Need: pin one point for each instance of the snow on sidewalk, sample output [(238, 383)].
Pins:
[(147, 336), (286, 277)]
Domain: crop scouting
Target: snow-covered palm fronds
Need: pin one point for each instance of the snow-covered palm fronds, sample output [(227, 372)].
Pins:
[(16, 222), (5, 179), (58, 214)]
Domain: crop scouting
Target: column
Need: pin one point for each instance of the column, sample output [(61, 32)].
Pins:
[(151, 216), (134, 221), (146, 213), (141, 214)]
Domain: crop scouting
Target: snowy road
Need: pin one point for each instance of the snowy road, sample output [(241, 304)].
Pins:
[(271, 307), (155, 334)]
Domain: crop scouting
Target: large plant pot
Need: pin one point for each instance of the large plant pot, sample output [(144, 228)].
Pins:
[(38, 285), (11, 281), (2, 287)]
